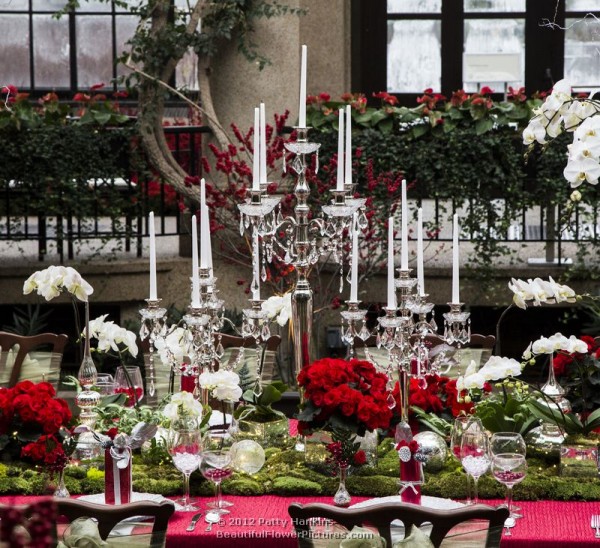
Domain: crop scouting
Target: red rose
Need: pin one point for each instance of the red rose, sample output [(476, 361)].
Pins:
[(112, 433), (360, 458)]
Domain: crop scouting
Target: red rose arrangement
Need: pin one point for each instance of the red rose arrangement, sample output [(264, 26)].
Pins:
[(34, 424), (343, 395), (579, 373), (345, 452)]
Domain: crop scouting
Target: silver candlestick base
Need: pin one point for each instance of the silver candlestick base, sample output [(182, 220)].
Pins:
[(153, 327)]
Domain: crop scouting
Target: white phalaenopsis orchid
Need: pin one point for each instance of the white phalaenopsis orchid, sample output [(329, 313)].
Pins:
[(279, 308), (223, 385), (50, 283), (555, 343), (561, 111), (494, 369), (182, 405), (538, 291), (174, 348), (110, 336)]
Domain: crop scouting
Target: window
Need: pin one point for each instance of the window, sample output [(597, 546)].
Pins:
[(454, 44)]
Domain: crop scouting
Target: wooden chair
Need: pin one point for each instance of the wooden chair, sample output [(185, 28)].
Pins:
[(382, 515), (26, 344), (108, 516)]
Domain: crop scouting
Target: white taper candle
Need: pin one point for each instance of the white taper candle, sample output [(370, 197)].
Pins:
[(455, 260), (152, 234), (195, 278), (404, 250), (256, 157), (391, 286), (348, 151), (203, 243), (340, 155), (263, 145), (302, 111), (420, 270)]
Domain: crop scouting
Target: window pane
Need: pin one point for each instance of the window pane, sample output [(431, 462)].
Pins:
[(414, 60), (94, 5), (414, 6), (495, 36), (581, 5), (14, 50), (126, 25), (582, 56), (48, 5), (51, 52), (94, 50), (13, 5), (494, 5)]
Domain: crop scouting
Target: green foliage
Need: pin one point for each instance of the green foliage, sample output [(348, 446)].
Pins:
[(258, 408), (28, 321), (287, 486), (569, 423)]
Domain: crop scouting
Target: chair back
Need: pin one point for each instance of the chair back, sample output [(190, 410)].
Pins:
[(382, 515), (14, 350), (108, 516)]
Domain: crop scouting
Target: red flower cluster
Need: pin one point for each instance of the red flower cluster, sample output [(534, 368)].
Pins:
[(413, 446), (562, 360), (131, 397), (33, 411), (350, 392)]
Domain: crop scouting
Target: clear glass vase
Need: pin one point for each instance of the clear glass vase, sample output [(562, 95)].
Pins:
[(342, 497), (61, 489)]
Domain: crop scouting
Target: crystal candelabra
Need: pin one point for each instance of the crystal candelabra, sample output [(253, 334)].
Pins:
[(256, 325), (354, 317), (87, 399), (457, 325), (423, 327), (153, 327), (294, 239)]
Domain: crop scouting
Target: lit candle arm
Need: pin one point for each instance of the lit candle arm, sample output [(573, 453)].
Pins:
[(153, 291)]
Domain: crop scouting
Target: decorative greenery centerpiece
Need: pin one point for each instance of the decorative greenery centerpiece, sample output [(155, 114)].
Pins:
[(258, 421)]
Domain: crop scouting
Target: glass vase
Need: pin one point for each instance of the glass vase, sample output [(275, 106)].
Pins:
[(342, 497), (61, 489)]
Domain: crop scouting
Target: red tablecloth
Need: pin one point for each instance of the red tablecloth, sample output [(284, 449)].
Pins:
[(264, 522)]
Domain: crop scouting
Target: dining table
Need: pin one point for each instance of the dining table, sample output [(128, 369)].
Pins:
[(263, 521)]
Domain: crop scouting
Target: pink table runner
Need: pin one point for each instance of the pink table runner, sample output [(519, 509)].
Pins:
[(264, 522)]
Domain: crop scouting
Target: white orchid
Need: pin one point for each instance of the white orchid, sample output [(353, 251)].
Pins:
[(279, 308), (538, 292), (173, 348), (223, 385), (50, 282), (555, 343), (560, 111), (110, 336), (494, 369), (182, 405)]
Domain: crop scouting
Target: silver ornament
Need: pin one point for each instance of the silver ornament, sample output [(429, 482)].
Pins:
[(434, 446)]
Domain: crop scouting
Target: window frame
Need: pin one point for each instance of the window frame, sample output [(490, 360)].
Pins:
[(544, 49)]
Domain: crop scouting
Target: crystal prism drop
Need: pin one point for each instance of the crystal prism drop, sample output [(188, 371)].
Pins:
[(433, 325), (258, 389), (246, 221), (391, 401), (422, 383), (219, 351), (364, 333), (144, 331), (254, 285), (363, 222), (349, 276), (287, 259), (151, 388), (284, 164), (266, 332), (341, 281), (317, 162), (263, 273), (378, 340), (297, 165), (242, 224)]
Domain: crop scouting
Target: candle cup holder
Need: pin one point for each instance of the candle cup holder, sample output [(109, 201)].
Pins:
[(457, 325), (354, 317), (256, 322), (153, 327), (422, 308)]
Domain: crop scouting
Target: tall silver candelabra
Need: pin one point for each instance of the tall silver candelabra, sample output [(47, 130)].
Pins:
[(153, 327), (299, 240)]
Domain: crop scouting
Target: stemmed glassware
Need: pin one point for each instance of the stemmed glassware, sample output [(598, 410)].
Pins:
[(128, 380), (459, 427), (509, 466), (475, 455), (185, 447), (216, 466)]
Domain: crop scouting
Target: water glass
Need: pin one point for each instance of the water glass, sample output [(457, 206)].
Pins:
[(509, 466), (185, 447), (475, 455), (128, 381), (105, 383), (216, 466), (459, 427)]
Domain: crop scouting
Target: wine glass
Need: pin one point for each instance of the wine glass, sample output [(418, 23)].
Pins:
[(459, 427), (128, 381), (185, 447), (216, 466), (509, 466), (218, 440), (105, 383), (475, 455)]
